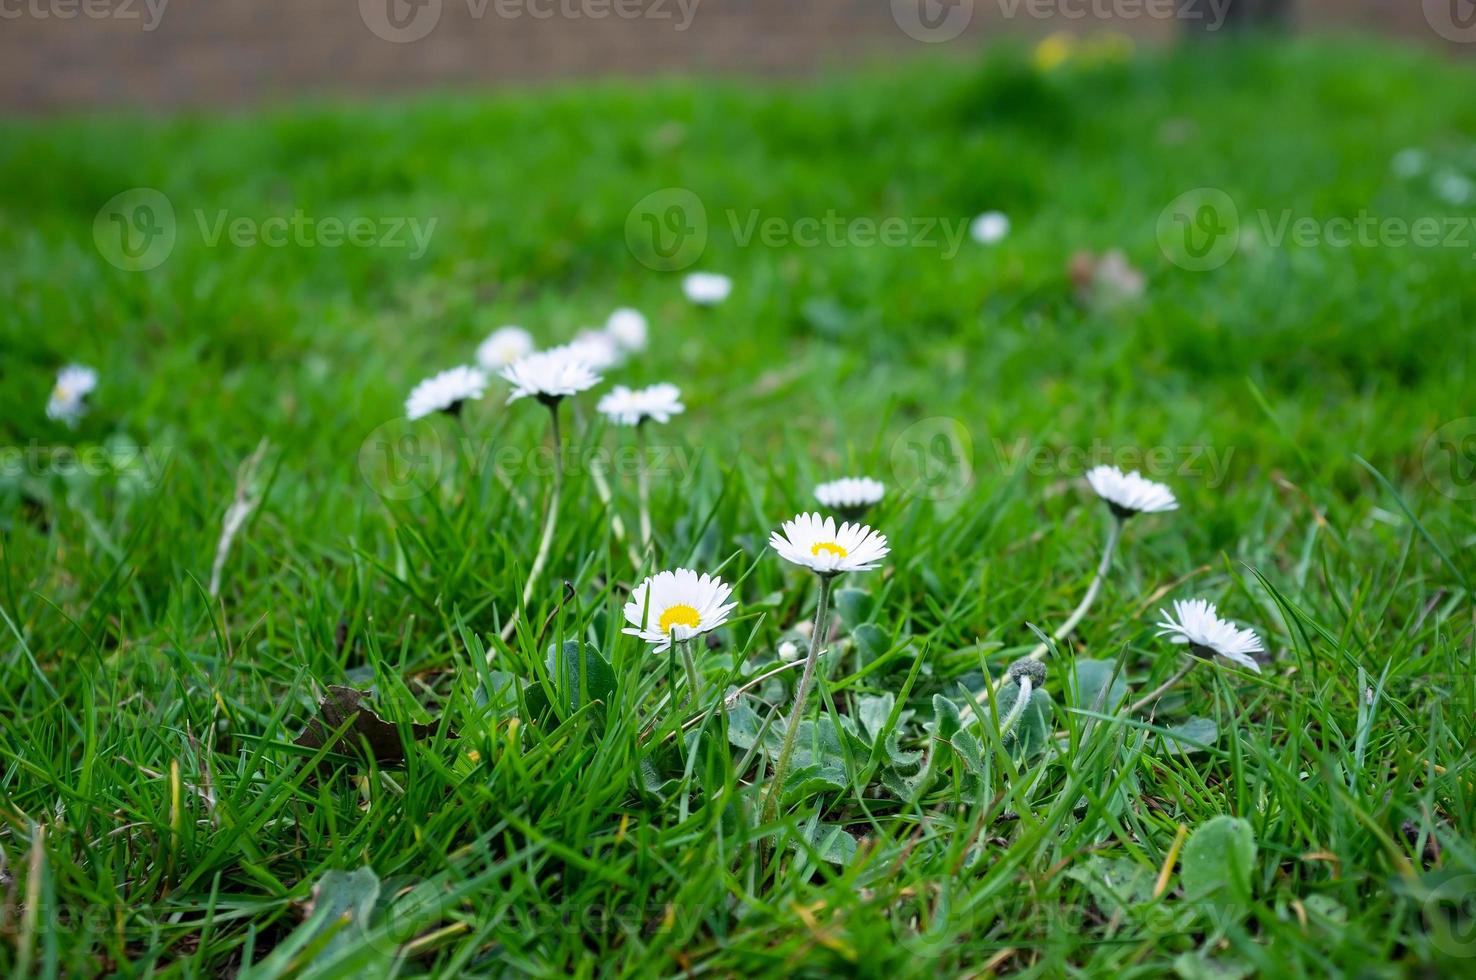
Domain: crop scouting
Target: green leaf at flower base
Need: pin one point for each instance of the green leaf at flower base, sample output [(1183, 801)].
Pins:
[(871, 641), (1217, 863), (804, 782), (1117, 884), (946, 718), (578, 674), (331, 939), (834, 844), (1187, 737), (854, 606), (1096, 687)]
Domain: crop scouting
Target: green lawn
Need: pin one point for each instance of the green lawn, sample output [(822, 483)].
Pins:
[(1309, 404)]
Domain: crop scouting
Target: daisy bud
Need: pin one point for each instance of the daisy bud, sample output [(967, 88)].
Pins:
[(1031, 670)]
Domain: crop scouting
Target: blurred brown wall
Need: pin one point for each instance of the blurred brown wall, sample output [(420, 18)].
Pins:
[(81, 54)]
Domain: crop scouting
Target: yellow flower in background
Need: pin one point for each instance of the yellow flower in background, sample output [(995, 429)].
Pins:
[(1108, 47), (1054, 50)]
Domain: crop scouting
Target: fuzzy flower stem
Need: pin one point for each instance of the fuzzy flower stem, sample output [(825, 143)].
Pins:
[(1017, 710), (1038, 652), (694, 683), (801, 695), (643, 487), (1161, 689), (550, 523)]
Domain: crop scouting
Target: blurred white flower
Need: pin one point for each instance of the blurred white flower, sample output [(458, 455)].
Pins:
[(816, 543), (628, 328), (707, 288), (632, 407), (549, 375), (504, 346), (1201, 627), (850, 493), (990, 228), (677, 606), (596, 349), (1130, 493), (789, 651), (1409, 162), (1454, 188), (446, 392), (68, 401)]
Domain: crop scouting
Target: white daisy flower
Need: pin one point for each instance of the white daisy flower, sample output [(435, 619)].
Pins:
[(549, 375), (990, 228), (1201, 627), (707, 288), (632, 407), (1130, 493), (628, 328), (816, 543), (68, 401), (677, 606), (446, 392), (597, 349), (504, 346), (852, 493)]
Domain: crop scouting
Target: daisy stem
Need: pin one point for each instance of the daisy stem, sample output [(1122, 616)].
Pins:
[(1018, 708), (643, 488), (1161, 689), (801, 694), (550, 524), (694, 685), (1114, 535)]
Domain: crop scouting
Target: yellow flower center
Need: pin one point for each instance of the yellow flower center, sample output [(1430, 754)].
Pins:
[(679, 615), (829, 546)]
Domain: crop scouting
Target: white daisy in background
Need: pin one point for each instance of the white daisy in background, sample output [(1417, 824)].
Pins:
[(446, 392), (1455, 189), (628, 328), (990, 228), (1201, 628), (596, 349), (549, 375), (504, 346), (68, 401), (851, 495), (677, 606), (1130, 493), (626, 406), (1408, 163), (816, 543), (707, 288)]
